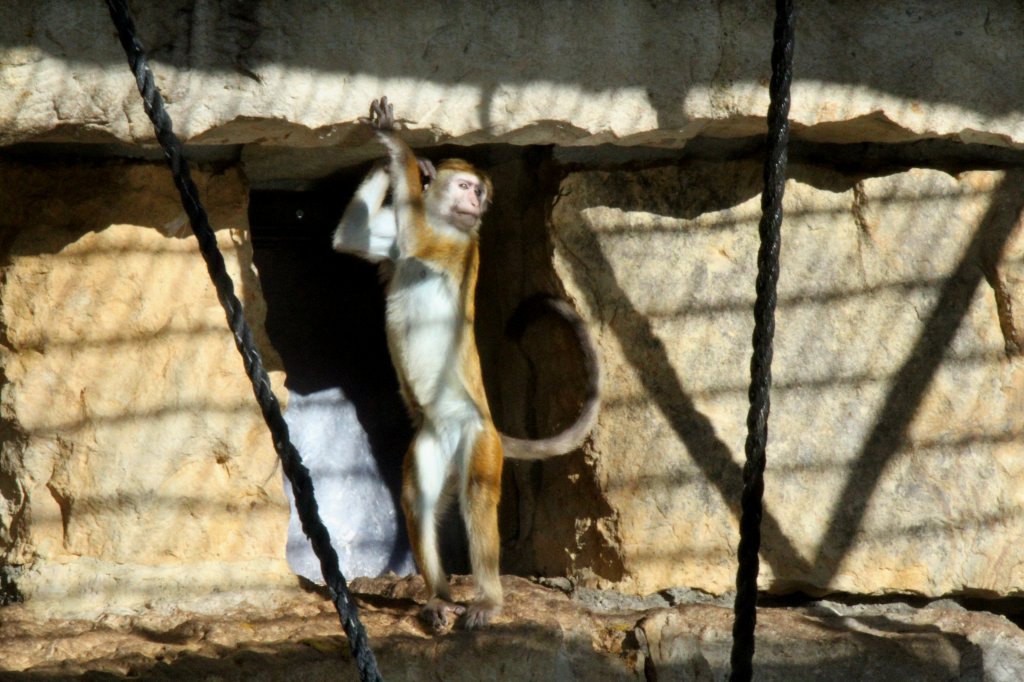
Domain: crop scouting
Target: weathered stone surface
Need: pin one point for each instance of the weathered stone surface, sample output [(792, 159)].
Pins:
[(541, 635), (894, 455), (135, 467), (831, 642), (280, 75), (136, 473)]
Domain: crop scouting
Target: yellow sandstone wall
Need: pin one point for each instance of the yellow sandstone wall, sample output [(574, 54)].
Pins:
[(135, 465)]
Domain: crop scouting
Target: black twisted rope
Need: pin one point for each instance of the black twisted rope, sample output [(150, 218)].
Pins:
[(291, 462), (764, 330)]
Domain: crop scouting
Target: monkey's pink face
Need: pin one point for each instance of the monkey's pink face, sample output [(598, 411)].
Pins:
[(467, 200)]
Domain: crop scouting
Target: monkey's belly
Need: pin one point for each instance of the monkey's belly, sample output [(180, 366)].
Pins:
[(424, 331)]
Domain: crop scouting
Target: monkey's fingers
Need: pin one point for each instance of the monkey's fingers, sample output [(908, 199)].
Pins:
[(370, 120), (427, 169), (437, 612), (387, 114), (377, 114)]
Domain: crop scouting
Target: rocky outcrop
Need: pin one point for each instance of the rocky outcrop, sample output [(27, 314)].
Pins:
[(135, 471)]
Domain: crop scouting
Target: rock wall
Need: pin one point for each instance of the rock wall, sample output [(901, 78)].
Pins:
[(285, 77), (135, 466), (134, 462), (894, 453)]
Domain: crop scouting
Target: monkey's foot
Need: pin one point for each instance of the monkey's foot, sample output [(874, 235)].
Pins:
[(436, 613), (479, 614)]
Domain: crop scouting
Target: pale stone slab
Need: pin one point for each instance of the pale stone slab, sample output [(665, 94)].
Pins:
[(284, 73)]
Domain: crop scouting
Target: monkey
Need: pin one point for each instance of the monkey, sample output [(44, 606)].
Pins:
[(429, 241)]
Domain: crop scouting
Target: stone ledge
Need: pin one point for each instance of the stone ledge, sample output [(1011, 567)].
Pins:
[(542, 634), (653, 74)]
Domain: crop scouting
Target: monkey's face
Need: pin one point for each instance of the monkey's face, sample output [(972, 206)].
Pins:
[(465, 199)]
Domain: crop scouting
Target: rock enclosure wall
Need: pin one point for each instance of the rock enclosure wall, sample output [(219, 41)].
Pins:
[(135, 465), (133, 456), (894, 448)]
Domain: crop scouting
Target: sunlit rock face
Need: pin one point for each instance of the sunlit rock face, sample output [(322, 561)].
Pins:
[(284, 80), (894, 453), (136, 468)]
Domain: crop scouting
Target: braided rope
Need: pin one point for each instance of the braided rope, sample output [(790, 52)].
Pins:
[(291, 462), (745, 607)]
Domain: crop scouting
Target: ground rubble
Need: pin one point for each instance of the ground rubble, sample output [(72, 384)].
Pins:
[(547, 631)]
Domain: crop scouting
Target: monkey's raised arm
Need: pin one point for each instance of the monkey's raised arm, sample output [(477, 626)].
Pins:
[(404, 171), (368, 228)]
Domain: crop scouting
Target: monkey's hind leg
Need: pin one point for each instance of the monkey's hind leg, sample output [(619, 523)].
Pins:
[(423, 501), (480, 493)]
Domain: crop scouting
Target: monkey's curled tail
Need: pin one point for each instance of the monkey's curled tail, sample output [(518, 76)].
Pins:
[(573, 436)]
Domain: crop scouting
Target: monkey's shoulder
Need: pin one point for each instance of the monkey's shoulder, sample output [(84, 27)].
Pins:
[(447, 249)]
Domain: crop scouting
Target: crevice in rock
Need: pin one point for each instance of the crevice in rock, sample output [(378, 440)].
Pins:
[(9, 592), (1011, 608), (1013, 336), (64, 505)]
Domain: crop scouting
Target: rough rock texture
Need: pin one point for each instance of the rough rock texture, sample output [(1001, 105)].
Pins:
[(542, 634), (278, 74), (894, 455), (136, 474), (135, 466)]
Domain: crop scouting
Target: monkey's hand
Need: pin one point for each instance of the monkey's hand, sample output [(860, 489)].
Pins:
[(382, 116), (427, 170)]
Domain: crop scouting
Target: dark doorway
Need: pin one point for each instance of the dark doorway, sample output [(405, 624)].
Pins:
[(325, 318)]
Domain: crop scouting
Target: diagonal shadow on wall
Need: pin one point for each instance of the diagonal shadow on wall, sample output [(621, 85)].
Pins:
[(648, 355), (909, 385), (887, 437)]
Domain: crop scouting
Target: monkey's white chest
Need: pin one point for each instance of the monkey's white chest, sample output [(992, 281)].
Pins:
[(425, 331)]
